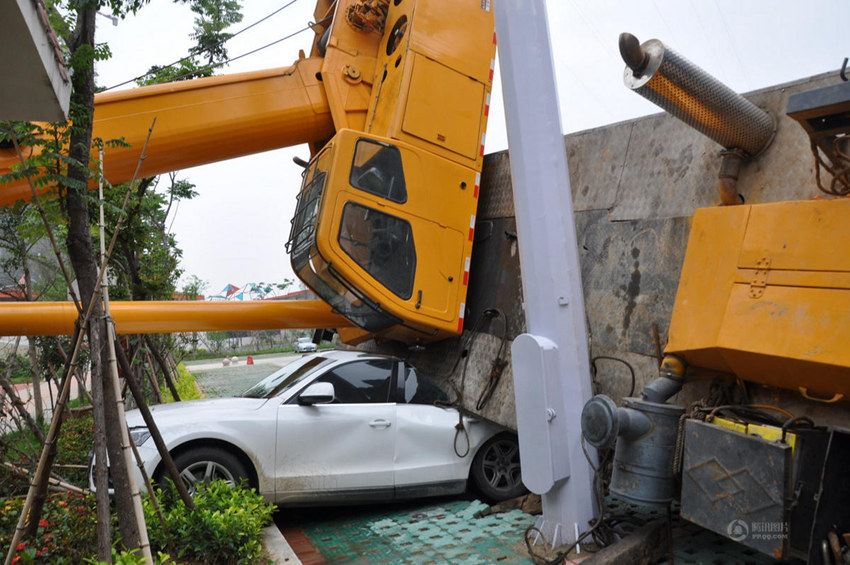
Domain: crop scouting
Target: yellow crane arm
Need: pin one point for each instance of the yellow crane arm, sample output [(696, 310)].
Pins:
[(58, 318), (203, 121)]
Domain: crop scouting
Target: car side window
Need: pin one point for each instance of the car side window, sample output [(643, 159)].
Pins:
[(420, 389), (361, 382)]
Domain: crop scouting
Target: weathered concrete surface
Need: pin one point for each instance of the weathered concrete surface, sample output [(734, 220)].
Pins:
[(635, 186)]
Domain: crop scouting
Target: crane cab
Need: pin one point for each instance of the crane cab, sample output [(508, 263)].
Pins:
[(383, 232)]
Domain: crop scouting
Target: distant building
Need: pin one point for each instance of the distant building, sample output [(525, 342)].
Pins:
[(297, 295)]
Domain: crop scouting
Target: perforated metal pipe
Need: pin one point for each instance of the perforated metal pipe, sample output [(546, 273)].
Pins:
[(670, 81)]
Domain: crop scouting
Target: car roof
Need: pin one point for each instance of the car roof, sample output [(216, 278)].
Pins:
[(351, 355)]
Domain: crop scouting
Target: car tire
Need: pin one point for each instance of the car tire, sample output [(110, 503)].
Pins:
[(496, 471), (207, 464)]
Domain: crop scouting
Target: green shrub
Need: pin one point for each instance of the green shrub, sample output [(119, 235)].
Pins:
[(66, 533), (21, 372), (186, 386), (226, 525), (73, 448)]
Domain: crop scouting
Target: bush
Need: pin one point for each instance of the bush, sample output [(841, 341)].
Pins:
[(66, 532), (186, 387), (21, 372), (73, 448), (226, 525)]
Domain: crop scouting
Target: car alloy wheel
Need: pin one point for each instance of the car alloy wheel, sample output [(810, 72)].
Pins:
[(496, 469)]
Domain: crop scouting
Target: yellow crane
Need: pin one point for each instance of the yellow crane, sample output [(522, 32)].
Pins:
[(393, 101)]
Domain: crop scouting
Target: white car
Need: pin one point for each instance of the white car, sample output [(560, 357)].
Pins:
[(304, 345), (335, 427)]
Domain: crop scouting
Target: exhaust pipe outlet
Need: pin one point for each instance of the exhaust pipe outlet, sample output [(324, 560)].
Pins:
[(670, 81)]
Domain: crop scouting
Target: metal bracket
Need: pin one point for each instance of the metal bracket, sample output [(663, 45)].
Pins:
[(759, 282)]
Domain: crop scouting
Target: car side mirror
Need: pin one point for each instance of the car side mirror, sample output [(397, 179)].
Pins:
[(317, 393)]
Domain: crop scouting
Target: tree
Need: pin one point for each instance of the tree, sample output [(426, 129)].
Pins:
[(72, 173)]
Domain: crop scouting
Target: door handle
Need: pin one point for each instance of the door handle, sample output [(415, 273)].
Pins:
[(379, 424)]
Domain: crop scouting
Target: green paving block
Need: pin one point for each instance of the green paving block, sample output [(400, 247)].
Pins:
[(444, 533)]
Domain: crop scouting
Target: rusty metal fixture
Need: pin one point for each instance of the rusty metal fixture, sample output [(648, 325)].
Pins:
[(369, 16), (352, 74), (670, 81), (730, 166)]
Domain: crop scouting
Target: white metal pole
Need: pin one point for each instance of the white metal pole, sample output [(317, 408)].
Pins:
[(550, 363)]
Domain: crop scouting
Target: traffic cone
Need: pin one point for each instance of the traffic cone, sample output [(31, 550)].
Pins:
[(250, 360)]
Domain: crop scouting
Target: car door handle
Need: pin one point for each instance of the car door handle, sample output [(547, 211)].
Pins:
[(379, 424)]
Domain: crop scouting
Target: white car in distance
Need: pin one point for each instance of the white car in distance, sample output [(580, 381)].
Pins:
[(337, 427), (304, 345)]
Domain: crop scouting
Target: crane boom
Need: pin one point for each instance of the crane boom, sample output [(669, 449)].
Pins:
[(203, 121), (58, 318)]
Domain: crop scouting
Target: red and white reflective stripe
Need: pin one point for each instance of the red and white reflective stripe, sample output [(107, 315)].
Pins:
[(494, 36), (471, 227), (492, 68), (477, 184), (483, 135), (460, 319), (466, 272), (487, 105)]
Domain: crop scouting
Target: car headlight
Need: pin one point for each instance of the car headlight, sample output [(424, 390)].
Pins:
[(139, 435)]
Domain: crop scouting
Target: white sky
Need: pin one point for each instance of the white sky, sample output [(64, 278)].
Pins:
[(235, 230)]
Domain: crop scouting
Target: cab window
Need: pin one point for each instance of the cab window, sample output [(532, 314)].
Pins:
[(381, 244), (377, 170)]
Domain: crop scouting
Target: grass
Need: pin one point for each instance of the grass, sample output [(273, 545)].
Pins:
[(203, 355)]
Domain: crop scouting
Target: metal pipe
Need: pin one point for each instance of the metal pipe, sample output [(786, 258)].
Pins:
[(670, 81), (58, 318)]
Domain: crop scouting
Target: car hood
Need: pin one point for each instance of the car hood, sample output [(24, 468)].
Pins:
[(196, 410)]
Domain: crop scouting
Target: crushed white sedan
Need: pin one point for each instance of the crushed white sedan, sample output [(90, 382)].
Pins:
[(336, 427)]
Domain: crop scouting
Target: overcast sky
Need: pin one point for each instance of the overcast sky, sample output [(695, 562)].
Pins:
[(235, 230)]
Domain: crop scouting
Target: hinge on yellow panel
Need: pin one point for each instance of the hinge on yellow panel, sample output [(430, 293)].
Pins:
[(759, 282)]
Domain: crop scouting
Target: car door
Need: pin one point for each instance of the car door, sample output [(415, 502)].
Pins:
[(429, 450), (342, 450)]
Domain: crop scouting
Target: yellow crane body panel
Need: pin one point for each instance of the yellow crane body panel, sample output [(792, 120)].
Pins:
[(765, 294)]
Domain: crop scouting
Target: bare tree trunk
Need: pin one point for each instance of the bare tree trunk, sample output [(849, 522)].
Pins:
[(16, 400), (83, 259), (157, 394), (166, 371), (36, 380)]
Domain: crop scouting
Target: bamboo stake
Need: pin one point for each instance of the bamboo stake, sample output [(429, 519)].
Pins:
[(167, 461), (126, 442), (59, 484)]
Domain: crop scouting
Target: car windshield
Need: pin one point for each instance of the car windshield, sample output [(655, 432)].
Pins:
[(286, 378)]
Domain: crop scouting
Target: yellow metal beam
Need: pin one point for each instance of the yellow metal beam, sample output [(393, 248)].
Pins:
[(58, 318), (203, 121)]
